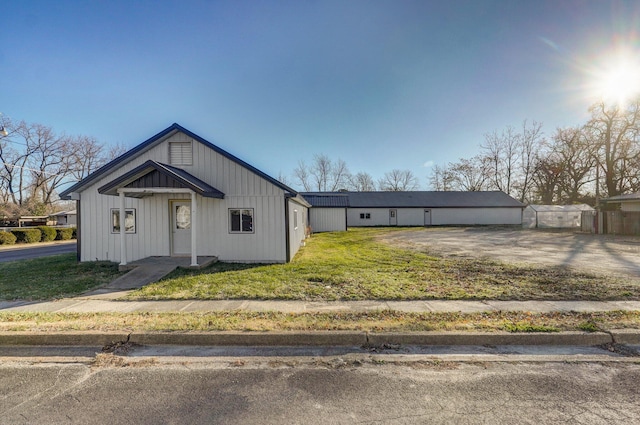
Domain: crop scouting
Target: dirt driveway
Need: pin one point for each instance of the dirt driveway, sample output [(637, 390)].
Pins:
[(607, 254)]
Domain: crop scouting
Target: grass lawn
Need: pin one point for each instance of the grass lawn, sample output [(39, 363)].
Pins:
[(356, 265), (387, 321), (52, 277)]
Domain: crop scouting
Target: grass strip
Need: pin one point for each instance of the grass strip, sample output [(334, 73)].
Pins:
[(52, 277), (379, 321)]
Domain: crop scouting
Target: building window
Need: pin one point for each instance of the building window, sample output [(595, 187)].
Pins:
[(180, 153), (241, 220), (129, 220), (295, 219), (365, 216)]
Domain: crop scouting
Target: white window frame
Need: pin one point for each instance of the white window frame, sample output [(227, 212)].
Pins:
[(115, 220), (240, 231)]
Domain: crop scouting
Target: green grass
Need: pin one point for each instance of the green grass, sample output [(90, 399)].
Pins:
[(376, 321), (358, 265), (52, 277)]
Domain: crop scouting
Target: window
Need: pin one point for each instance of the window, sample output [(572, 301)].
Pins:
[(241, 220), (129, 220), (295, 219), (180, 153), (365, 216)]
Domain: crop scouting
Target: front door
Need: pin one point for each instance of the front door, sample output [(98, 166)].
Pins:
[(393, 217), (180, 228)]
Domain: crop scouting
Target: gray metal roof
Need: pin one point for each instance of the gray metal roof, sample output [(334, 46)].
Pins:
[(326, 200), (171, 177), (414, 199), (560, 208)]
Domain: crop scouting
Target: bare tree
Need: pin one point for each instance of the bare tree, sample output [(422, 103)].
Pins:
[(470, 174), (398, 181), (362, 182), (529, 144), (502, 151), (323, 175), (614, 131), (441, 178)]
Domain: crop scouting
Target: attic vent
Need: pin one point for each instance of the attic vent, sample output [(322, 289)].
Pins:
[(180, 153)]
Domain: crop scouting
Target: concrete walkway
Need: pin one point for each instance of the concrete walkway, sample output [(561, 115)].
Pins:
[(106, 302)]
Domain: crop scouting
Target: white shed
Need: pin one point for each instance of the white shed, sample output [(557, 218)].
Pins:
[(553, 216)]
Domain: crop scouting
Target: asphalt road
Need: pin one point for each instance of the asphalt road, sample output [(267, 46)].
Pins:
[(28, 252), (367, 389)]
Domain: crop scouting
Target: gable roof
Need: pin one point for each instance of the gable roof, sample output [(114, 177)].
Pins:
[(560, 208), (155, 140), (415, 199), (154, 174)]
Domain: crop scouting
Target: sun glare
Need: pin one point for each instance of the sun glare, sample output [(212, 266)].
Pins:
[(619, 82)]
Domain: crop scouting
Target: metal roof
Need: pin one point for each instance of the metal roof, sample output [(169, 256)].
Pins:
[(560, 208), (159, 138), (622, 198), (326, 199), (170, 177), (413, 199)]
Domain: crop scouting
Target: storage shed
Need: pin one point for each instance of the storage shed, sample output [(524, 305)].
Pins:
[(553, 216), (414, 208)]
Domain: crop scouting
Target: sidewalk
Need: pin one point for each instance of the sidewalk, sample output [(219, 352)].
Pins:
[(108, 303)]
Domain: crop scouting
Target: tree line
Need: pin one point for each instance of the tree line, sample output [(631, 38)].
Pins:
[(574, 165), (35, 162), (325, 175)]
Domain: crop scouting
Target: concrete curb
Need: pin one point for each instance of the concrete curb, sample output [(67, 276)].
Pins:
[(329, 338)]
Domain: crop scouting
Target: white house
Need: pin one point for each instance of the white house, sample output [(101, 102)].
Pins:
[(181, 195), (337, 210)]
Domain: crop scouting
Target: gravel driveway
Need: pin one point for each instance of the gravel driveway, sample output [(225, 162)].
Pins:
[(608, 254)]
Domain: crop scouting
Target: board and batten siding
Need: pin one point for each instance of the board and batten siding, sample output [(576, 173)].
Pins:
[(328, 219), (439, 216), (242, 189), (297, 226), (476, 216)]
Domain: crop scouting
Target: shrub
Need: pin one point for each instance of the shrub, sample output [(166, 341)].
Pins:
[(27, 235), (74, 235), (7, 238), (64, 234), (48, 233)]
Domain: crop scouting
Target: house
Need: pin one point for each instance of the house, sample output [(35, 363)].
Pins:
[(553, 216), (336, 211), (177, 194), (629, 202), (64, 218)]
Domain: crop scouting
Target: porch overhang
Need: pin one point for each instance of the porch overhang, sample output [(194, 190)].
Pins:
[(154, 177)]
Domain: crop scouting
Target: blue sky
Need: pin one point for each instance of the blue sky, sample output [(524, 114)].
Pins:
[(379, 84)]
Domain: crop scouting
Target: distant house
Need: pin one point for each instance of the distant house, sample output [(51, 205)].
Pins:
[(177, 194), (64, 218), (553, 216), (339, 210), (629, 202)]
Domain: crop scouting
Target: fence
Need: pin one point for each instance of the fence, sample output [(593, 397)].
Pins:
[(612, 222)]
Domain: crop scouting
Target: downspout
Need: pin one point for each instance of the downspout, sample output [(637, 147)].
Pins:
[(286, 230)]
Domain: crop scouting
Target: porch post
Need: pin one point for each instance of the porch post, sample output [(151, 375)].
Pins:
[(194, 230), (123, 244)]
